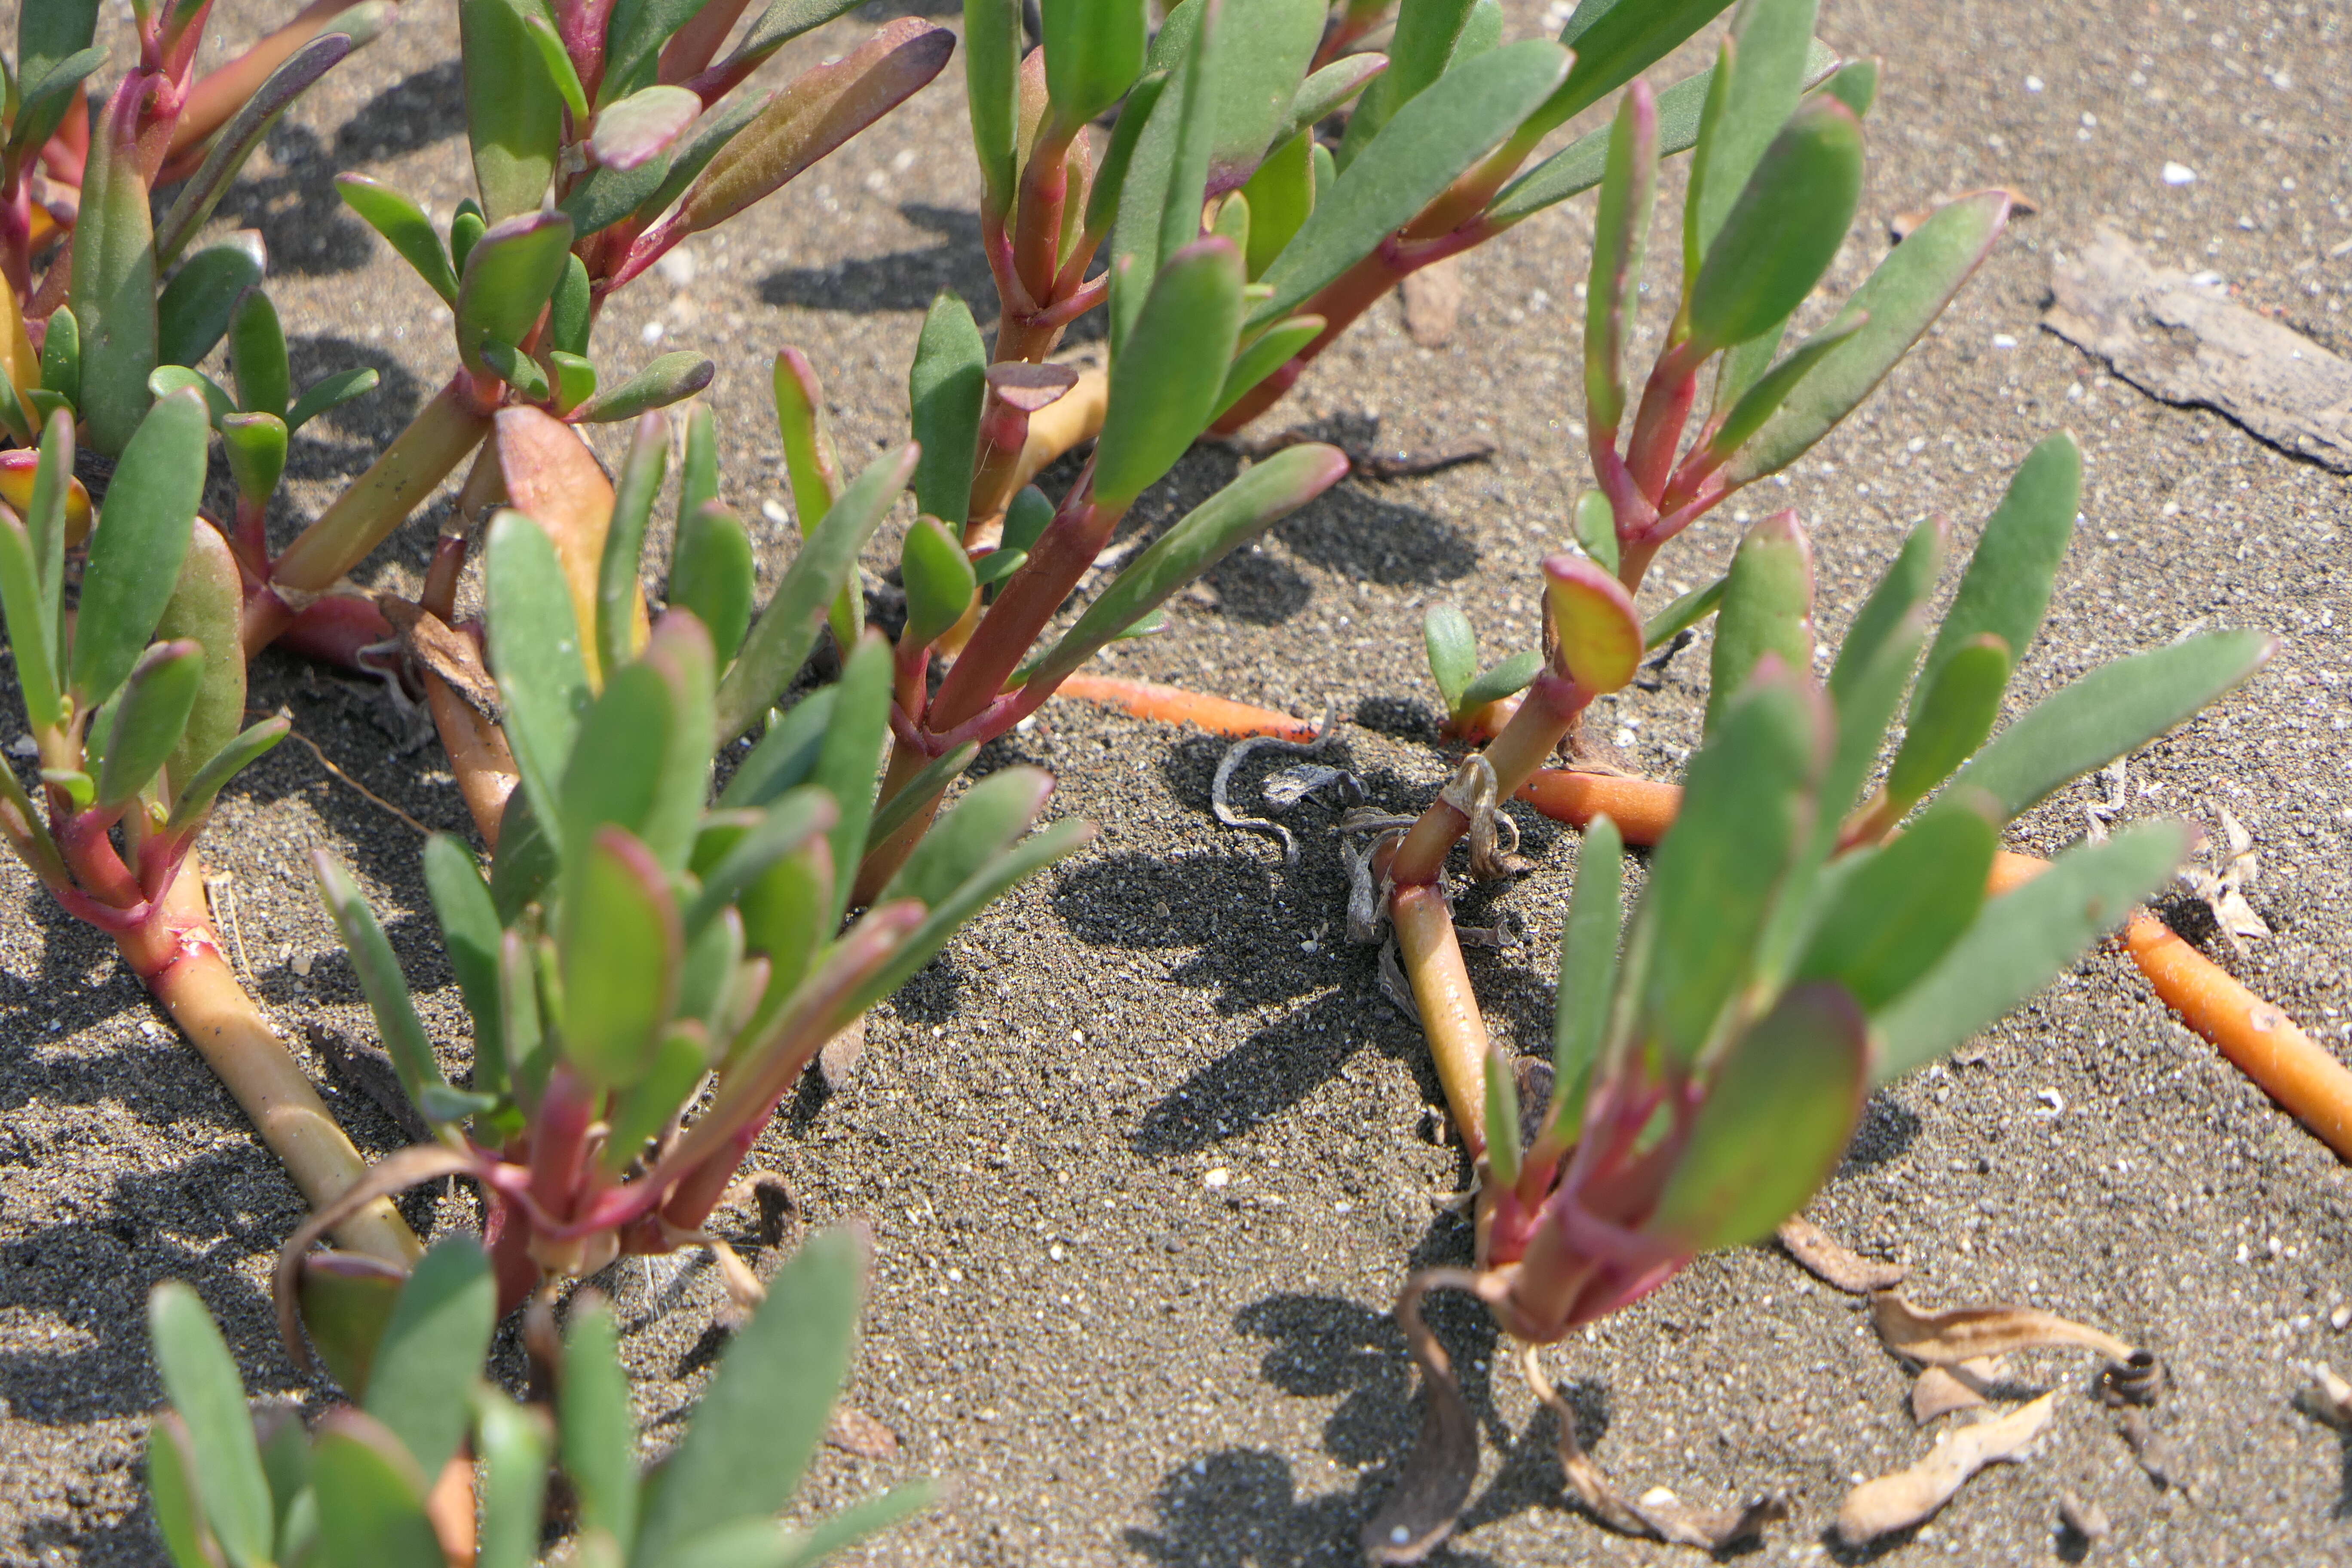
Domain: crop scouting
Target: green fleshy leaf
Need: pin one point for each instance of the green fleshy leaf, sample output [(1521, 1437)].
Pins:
[(201, 1380), (1958, 704), (618, 594), (112, 293), (1507, 677), (386, 988), (536, 653), (254, 444), (1855, 86), (786, 754), (1596, 636), (171, 1495), (2006, 589), (796, 816), (1025, 519), (671, 378), (1780, 237), (841, 1530), (2019, 942), (620, 950), (1267, 352), (1118, 153), (1901, 300), (1889, 914), (596, 1428), (1167, 178), (470, 937), (996, 566), (926, 786), (1764, 396), (849, 762), (1748, 809), (1684, 612), (787, 628), (371, 1498), (1432, 142), (1874, 670), (680, 1060), (1752, 102), (1262, 496), (509, 274), (61, 356), (950, 915), (514, 114), (1615, 41), (466, 226), (1594, 522), (1779, 1111), (572, 382), (257, 355), (768, 1404), (1323, 92), (1251, 87), (644, 126), (51, 38), (939, 579), (511, 1445), (634, 37), (329, 392), (193, 314), (1164, 383), (1453, 649), (1620, 228), (562, 74), (712, 573), (32, 636), (1281, 196), (2110, 712), (1418, 51), (571, 310), (167, 379), (136, 551), (1588, 974), (150, 716), (1767, 608), (196, 797), (432, 1350), (989, 819), (946, 387), (1094, 48), (992, 50), (1502, 1121)]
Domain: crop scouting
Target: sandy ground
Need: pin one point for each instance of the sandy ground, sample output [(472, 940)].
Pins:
[(1145, 1153)]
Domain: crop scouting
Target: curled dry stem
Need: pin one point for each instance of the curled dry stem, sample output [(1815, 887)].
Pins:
[(1325, 736)]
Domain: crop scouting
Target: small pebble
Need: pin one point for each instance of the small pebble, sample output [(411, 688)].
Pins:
[(2340, 1318), (1217, 1178), (2180, 174)]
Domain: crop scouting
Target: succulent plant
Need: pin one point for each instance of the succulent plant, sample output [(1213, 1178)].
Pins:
[(432, 1464), (1802, 936)]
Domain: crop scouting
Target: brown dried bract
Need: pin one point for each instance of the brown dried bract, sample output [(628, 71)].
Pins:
[(1830, 1262), (1656, 1516), (1965, 1333), (446, 652), (1944, 1389), (1897, 1502)]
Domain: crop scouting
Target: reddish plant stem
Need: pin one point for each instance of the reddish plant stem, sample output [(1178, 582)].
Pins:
[(1545, 715), (1450, 1019)]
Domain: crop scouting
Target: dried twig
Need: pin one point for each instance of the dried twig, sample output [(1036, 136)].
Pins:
[(1897, 1502), (1968, 1334), (1829, 1261), (1221, 803)]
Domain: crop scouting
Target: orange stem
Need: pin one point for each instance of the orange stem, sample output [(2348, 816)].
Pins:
[(1172, 705), (1450, 1019)]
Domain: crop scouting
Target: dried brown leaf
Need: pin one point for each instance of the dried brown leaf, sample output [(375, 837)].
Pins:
[(1965, 1333), (1904, 1499), (1828, 1260), (1421, 1513), (1944, 1389), (446, 652)]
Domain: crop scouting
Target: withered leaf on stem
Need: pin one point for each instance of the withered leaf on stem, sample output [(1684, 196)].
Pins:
[(1944, 1389), (1438, 1475), (1829, 1261), (446, 652), (1965, 1333), (1897, 1502)]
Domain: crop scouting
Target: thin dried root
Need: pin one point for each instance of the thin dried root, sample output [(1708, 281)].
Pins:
[(1221, 803), (1654, 1516)]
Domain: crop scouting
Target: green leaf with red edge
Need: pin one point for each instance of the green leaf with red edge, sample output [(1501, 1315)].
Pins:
[(432, 1350), (1901, 300), (954, 910), (620, 946), (670, 378), (1323, 92), (1165, 381), (1431, 143), (1780, 237), (150, 714), (1959, 705), (202, 1381), (539, 658), (137, 548), (1252, 87), (1599, 634), (778, 25), (1260, 497), (1094, 48), (509, 275), (1778, 1110), (2006, 589), (1885, 916), (1615, 41), (192, 799), (1719, 873), (173, 1497), (643, 126), (632, 38), (1620, 228), (514, 113), (1767, 608), (371, 1498), (816, 113), (1452, 651), (946, 387)]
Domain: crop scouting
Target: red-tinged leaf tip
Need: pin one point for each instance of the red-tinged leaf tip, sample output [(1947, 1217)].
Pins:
[(643, 125), (1600, 633)]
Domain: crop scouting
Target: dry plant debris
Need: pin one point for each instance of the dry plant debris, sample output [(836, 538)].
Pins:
[(1221, 785), (2180, 337), (2224, 892), (1909, 1497), (1829, 1261), (2328, 1396), (1968, 1334)]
